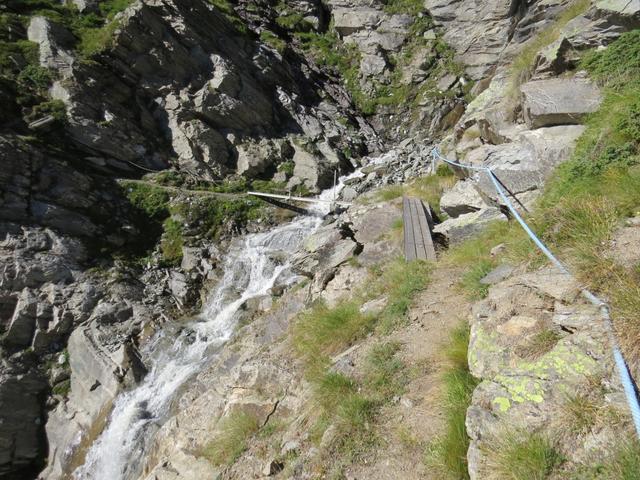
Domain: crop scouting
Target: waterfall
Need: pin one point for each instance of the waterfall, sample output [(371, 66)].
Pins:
[(249, 271)]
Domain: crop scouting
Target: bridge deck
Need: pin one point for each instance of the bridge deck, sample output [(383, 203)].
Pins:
[(416, 216)]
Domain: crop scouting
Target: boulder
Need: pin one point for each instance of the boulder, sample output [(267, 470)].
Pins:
[(462, 198), (559, 101), (23, 323), (314, 170), (349, 20), (255, 158), (525, 164), (465, 226)]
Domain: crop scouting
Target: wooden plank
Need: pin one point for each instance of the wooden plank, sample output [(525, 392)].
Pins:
[(418, 242), (426, 225), (417, 230), (409, 241)]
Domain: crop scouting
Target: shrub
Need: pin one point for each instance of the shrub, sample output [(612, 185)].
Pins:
[(56, 108), (152, 200), (36, 77), (273, 40)]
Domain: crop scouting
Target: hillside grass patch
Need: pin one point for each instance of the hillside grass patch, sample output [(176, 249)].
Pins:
[(588, 196), (448, 453)]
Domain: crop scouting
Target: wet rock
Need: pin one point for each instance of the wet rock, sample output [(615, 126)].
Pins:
[(559, 101)]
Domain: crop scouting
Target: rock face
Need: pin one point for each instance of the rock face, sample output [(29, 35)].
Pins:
[(558, 101), (524, 380), (205, 91)]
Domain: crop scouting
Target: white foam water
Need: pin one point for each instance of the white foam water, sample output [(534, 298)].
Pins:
[(250, 270)]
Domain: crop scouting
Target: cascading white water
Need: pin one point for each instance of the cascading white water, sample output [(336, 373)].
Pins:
[(249, 271)]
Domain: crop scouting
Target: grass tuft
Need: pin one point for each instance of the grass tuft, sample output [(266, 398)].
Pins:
[(448, 454), (519, 454), (470, 282), (235, 431)]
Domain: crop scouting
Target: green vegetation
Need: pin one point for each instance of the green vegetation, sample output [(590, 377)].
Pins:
[(294, 22), (55, 108), (624, 464), (522, 64), (519, 454), (273, 40), (226, 8), (470, 281), (171, 242), (448, 454), (236, 429), (63, 388), (588, 196), (429, 188), (412, 7), (153, 201), (323, 332), (539, 344), (351, 405), (580, 413)]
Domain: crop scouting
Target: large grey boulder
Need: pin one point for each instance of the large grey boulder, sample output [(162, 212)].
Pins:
[(526, 163), (347, 21), (255, 158), (23, 323), (458, 229), (462, 198), (559, 101), (313, 168)]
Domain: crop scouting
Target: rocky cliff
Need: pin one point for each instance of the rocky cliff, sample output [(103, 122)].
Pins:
[(130, 132)]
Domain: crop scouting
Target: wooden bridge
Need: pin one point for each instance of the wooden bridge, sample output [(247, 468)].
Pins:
[(418, 223)]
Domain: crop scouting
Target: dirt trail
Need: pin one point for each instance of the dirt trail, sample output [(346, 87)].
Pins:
[(409, 424)]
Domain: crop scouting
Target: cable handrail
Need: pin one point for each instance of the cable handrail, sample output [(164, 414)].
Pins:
[(621, 365)]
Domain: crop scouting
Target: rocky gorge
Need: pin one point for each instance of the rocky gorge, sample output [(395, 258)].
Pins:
[(157, 323)]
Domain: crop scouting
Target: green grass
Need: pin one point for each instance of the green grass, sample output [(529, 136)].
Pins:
[(519, 455), (448, 454), (153, 201), (235, 430), (322, 332), (523, 63), (624, 464), (384, 371), (580, 413), (588, 196), (63, 388), (350, 405), (400, 281), (273, 40), (470, 282), (171, 242)]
